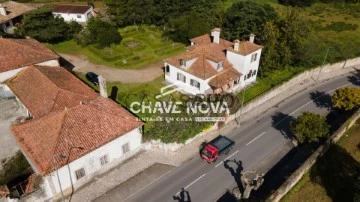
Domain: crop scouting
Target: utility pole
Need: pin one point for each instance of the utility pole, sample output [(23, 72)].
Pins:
[(242, 104), (57, 174)]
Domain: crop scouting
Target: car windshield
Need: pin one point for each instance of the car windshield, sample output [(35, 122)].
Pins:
[(206, 153)]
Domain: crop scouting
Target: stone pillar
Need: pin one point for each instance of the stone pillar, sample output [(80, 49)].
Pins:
[(102, 86)]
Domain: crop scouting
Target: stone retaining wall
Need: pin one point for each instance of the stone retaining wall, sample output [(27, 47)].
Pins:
[(304, 168)]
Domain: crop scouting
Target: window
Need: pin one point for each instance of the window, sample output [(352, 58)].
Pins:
[(125, 148), (220, 66), (104, 160), (249, 75), (182, 62), (245, 77), (181, 77), (254, 73), (80, 173), (78, 16), (195, 83), (167, 69), (253, 57), (7, 24)]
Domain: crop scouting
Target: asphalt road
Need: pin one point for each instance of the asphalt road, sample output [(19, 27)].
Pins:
[(260, 144)]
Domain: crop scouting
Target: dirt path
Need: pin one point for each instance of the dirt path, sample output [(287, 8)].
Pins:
[(83, 65)]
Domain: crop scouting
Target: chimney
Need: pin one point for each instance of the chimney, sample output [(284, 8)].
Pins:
[(215, 33), (2, 10), (251, 38), (236, 45), (102, 86)]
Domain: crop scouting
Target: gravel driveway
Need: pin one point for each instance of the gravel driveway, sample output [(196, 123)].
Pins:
[(83, 65)]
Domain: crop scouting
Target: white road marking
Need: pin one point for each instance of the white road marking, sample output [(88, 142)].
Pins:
[(310, 102), (255, 138), (192, 183), (227, 158)]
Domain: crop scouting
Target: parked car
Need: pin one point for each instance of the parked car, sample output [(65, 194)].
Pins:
[(93, 78), (220, 145)]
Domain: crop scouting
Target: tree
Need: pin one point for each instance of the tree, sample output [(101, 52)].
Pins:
[(41, 25), (99, 32), (357, 190), (130, 12), (270, 57), (187, 26), (244, 18), (294, 30), (310, 127), (300, 3), (346, 98)]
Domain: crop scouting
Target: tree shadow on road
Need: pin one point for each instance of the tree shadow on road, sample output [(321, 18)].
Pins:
[(354, 78), (337, 172), (235, 172), (184, 196), (321, 99), (282, 122)]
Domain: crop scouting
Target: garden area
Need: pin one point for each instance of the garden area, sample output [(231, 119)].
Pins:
[(139, 47), (336, 175)]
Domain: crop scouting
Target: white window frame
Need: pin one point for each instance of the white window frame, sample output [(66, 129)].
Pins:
[(126, 145), (254, 57), (80, 173), (181, 77), (78, 16), (195, 83)]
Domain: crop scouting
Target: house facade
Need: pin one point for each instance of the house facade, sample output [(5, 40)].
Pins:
[(11, 13), (78, 13), (73, 133), (214, 65)]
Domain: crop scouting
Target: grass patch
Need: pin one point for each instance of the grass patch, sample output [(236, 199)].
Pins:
[(268, 82), (140, 47), (333, 177)]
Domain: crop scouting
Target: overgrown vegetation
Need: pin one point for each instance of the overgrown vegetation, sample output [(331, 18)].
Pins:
[(335, 177), (14, 167), (41, 25)]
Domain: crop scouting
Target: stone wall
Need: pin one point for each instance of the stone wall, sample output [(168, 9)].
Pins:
[(304, 168)]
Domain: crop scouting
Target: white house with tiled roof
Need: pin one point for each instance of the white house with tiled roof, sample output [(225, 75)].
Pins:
[(74, 134), (11, 14), (214, 65)]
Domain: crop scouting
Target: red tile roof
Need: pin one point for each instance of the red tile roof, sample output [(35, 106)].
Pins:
[(201, 68), (67, 8), (17, 53), (245, 48), (207, 39), (14, 9), (224, 78), (45, 89), (67, 114), (89, 125)]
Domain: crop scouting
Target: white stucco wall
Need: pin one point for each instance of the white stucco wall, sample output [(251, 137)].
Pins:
[(51, 63), (91, 163), (9, 74), (84, 17), (236, 60), (171, 77)]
